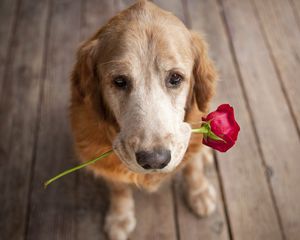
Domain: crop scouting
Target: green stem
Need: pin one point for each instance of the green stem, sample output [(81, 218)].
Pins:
[(77, 167), (204, 129), (199, 130)]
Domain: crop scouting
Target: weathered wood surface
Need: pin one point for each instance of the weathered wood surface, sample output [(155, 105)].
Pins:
[(155, 215), (249, 201), (79, 210), (53, 210), (176, 7), (284, 43), (257, 180), (295, 4), (262, 85), (19, 102), (8, 15)]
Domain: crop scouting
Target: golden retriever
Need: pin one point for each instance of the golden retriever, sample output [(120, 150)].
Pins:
[(136, 86)]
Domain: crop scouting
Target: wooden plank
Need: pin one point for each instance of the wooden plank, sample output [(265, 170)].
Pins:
[(249, 203), (79, 212), (175, 7), (193, 227), (155, 215), (122, 4), (95, 14), (18, 111), (92, 204), (276, 131), (8, 16), (296, 7), (285, 46), (53, 211)]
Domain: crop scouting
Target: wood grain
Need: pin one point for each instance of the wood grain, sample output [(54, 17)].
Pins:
[(176, 7), (18, 111), (8, 17), (295, 4), (284, 44), (255, 45), (192, 227), (246, 190), (155, 215), (53, 210), (122, 4), (92, 199), (95, 14), (265, 96)]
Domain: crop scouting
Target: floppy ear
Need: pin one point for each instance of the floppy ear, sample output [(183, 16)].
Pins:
[(84, 75), (204, 73), (86, 82)]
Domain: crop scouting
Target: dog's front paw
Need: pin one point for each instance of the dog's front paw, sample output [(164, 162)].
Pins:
[(202, 201), (118, 225)]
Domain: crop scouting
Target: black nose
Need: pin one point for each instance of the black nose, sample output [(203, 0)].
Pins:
[(157, 159)]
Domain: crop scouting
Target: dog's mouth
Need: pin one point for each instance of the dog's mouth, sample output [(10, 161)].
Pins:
[(176, 148)]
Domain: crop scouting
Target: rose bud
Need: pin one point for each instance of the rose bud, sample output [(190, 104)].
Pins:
[(220, 130)]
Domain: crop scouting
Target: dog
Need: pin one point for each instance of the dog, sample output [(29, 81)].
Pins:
[(137, 85)]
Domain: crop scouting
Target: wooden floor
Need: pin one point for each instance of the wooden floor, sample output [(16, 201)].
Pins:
[(256, 46)]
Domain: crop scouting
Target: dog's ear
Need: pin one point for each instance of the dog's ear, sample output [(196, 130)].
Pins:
[(204, 73), (86, 82), (84, 74)]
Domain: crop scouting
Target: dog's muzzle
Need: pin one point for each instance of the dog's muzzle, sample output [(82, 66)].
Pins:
[(159, 158)]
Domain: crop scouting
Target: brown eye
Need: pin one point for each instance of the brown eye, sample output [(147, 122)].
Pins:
[(174, 80), (121, 82)]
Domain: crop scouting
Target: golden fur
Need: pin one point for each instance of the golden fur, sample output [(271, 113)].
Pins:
[(94, 125), (94, 135)]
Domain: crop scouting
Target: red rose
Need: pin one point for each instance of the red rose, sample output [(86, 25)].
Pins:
[(222, 129)]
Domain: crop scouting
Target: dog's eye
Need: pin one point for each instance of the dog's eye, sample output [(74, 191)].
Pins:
[(174, 80), (121, 82)]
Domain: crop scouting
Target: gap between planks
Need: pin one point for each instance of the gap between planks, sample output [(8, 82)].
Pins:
[(38, 121), (244, 92)]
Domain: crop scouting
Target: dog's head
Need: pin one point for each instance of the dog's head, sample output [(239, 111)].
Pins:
[(142, 71)]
